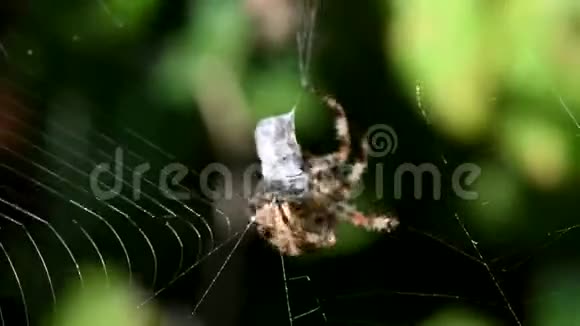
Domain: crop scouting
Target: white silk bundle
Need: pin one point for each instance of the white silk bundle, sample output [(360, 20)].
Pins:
[(280, 155)]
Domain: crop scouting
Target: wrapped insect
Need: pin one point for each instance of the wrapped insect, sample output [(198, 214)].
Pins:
[(280, 156)]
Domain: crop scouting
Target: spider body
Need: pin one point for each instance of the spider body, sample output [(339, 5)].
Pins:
[(295, 224)]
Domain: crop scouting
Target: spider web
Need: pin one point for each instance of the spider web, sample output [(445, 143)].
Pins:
[(51, 170), (50, 219), (309, 298)]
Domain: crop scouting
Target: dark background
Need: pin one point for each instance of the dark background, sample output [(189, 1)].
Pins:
[(185, 82)]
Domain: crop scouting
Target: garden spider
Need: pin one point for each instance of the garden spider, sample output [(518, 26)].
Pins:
[(297, 209)]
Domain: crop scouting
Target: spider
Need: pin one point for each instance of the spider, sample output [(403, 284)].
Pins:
[(295, 224)]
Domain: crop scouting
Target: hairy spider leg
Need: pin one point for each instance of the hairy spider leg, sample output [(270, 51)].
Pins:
[(369, 222), (360, 164), (340, 124)]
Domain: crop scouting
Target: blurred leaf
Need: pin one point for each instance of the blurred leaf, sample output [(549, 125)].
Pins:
[(96, 23), (102, 302), (219, 32), (537, 148), (498, 208), (557, 297), (443, 44), (542, 49), (458, 317)]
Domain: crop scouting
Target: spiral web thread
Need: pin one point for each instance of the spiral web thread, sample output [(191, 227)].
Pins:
[(30, 235)]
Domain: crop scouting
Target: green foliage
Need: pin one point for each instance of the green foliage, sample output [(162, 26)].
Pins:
[(489, 67), (557, 296), (102, 302), (458, 317)]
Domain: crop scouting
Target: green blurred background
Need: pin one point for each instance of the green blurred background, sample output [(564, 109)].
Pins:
[(493, 83)]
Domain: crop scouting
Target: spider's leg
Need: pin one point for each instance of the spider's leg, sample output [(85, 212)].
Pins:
[(340, 123), (370, 223), (359, 166)]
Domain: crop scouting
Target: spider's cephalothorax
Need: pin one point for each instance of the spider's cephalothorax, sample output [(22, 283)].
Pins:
[(295, 224), (293, 227)]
